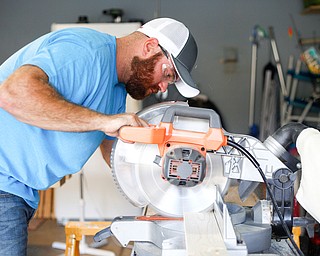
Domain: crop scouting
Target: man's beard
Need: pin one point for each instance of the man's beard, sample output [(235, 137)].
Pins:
[(139, 85)]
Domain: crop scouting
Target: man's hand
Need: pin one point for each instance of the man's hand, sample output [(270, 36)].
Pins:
[(117, 121)]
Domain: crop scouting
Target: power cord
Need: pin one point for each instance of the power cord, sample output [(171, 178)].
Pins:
[(273, 200)]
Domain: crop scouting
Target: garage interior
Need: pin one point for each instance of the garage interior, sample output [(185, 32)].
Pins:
[(252, 70)]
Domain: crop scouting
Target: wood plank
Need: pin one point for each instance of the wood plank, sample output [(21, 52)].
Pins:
[(202, 235), (39, 212), (48, 203)]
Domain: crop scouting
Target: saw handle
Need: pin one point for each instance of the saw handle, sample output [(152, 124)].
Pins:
[(186, 111)]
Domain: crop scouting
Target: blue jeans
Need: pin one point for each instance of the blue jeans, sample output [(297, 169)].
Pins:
[(15, 215)]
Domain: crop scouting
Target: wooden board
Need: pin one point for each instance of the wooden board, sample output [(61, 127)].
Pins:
[(45, 209)]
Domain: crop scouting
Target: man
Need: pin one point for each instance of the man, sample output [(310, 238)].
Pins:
[(63, 95)]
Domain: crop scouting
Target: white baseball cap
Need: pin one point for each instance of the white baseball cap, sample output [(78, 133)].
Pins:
[(177, 40)]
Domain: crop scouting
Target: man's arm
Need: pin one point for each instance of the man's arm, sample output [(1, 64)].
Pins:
[(27, 95)]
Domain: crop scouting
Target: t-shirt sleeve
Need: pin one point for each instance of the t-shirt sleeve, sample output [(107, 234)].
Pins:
[(66, 61)]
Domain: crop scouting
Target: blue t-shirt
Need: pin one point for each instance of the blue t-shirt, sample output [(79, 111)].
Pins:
[(81, 66)]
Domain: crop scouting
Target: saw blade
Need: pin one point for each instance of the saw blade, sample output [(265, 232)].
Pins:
[(142, 182)]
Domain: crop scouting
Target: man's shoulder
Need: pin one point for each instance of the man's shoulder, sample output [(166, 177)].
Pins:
[(82, 31), (82, 35)]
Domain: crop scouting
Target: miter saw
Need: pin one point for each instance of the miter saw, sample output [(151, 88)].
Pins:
[(183, 164)]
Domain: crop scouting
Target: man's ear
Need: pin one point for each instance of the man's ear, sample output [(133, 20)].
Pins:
[(151, 47)]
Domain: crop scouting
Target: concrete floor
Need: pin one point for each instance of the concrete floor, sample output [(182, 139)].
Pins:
[(49, 231)]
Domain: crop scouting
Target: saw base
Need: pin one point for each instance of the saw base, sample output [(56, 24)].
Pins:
[(229, 229)]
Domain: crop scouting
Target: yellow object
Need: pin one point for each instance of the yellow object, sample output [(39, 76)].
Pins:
[(76, 229), (312, 59), (296, 231)]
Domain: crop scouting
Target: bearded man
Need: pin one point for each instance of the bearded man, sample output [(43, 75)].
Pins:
[(64, 94)]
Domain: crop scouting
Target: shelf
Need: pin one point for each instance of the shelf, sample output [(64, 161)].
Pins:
[(312, 9)]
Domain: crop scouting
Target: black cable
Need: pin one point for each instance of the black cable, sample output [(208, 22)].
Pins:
[(273, 200)]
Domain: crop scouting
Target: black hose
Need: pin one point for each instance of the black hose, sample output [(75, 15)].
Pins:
[(288, 133)]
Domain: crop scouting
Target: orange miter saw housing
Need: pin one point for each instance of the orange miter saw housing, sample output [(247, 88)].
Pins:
[(166, 136), (183, 152)]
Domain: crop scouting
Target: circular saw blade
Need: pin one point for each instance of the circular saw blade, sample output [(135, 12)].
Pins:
[(141, 180)]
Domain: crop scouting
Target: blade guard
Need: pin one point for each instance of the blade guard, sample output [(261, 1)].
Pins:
[(166, 136)]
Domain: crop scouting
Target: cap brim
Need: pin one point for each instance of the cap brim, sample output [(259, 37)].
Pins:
[(185, 84)]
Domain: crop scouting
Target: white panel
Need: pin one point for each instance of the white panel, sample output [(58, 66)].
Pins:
[(102, 199), (116, 29)]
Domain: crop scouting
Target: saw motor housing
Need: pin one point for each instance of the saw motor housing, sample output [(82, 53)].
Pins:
[(184, 166)]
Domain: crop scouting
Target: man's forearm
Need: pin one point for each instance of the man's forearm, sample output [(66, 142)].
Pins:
[(30, 99), (27, 96)]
